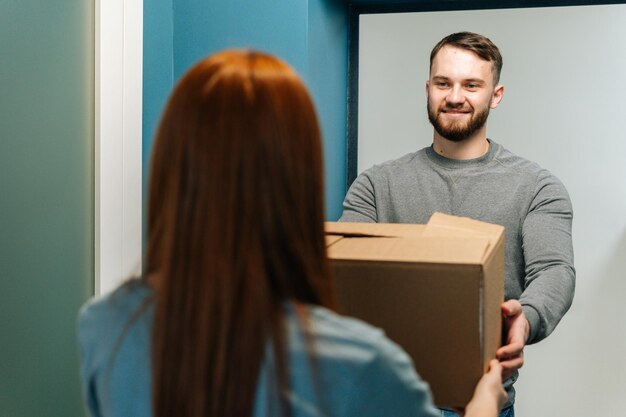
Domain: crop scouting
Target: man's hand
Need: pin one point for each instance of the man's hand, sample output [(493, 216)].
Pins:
[(511, 355)]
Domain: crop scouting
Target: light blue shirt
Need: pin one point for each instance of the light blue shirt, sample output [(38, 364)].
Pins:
[(359, 371)]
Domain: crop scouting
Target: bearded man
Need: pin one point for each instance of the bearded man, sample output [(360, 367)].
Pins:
[(464, 173)]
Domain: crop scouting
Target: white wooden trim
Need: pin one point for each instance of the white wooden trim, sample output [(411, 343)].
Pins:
[(118, 118)]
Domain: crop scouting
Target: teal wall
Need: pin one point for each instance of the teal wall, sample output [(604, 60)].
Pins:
[(309, 34), (327, 76), (46, 201), (158, 75)]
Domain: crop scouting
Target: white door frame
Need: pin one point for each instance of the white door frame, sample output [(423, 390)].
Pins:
[(118, 150)]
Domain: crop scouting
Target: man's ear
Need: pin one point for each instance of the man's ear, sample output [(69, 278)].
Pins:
[(427, 85), (496, 96)]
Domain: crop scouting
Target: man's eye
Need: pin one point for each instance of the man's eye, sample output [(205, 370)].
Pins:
[(472, 86), (442, 84)]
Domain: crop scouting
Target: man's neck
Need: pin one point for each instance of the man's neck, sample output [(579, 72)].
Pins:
[(470, 148)]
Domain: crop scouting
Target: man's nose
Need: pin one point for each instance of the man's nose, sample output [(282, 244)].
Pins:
[(456, 96)]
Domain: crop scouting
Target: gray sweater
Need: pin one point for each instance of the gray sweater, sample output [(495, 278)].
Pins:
[(499, 187)]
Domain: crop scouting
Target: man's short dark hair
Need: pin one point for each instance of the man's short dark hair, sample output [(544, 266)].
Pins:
[(478, 44)]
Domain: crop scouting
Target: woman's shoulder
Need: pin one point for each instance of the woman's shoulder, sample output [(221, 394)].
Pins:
[(339, 338), (116, 305), (103, 319), (328, 323), (374, 375), (113, 337)]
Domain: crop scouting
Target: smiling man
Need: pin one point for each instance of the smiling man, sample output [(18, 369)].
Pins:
[(464, 173), (461, 91)]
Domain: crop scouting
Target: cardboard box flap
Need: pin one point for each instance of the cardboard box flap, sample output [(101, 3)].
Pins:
[(443, 225), (436, 249), (330, 239), (374, 229)]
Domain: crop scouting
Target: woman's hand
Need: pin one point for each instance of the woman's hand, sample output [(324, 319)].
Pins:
[(489, 396)]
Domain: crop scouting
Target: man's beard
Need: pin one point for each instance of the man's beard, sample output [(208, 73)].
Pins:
[(457, 130)]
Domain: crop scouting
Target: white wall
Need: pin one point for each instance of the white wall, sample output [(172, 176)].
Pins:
[(564, 71)]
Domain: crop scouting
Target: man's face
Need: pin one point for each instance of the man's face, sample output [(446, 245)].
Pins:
[(460, 92)]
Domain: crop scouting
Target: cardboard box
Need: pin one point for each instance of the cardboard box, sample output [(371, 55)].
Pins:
[(435, 289)]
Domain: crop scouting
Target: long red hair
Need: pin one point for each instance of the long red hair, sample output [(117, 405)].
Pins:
[(235, 229)]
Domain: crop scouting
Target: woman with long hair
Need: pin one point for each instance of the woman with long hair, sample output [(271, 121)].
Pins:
[(232, 316)]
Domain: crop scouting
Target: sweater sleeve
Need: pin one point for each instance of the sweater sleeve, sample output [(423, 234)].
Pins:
[(360, 202), (549, 257)]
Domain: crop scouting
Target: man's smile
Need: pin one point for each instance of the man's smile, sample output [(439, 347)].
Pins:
[(455, 112)]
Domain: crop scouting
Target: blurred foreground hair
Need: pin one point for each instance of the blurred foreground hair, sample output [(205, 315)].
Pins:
[(235, 229)]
